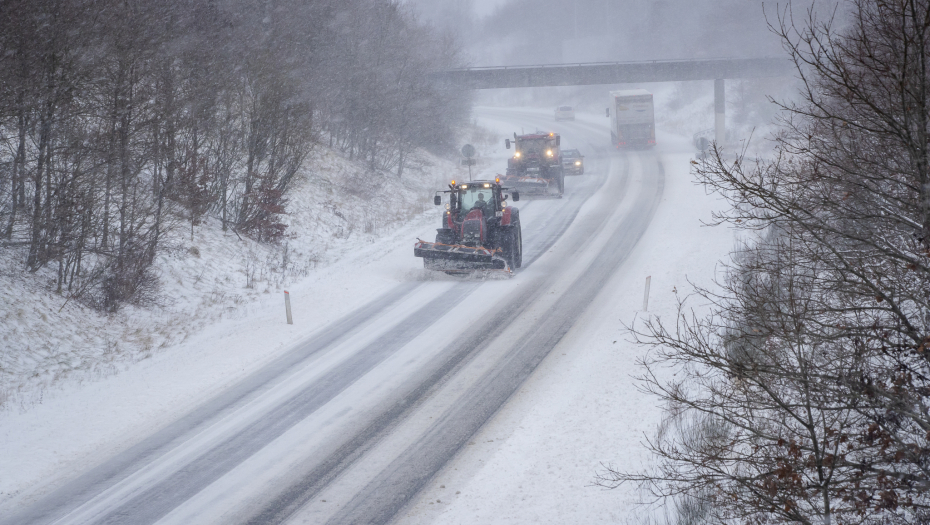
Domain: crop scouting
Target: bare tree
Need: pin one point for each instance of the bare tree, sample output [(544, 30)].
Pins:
[(803, 395), (121, 118)]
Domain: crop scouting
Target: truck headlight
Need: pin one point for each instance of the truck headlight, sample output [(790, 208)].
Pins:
[(577, 163)]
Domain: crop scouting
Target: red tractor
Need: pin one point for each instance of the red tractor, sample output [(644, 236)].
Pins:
[(479, 230), (536, 165)]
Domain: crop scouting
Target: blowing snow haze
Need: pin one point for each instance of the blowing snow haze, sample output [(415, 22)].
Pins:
[(247, 278), (518, 32)]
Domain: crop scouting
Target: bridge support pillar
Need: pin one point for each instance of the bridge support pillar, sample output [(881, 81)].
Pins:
[(720, 129)]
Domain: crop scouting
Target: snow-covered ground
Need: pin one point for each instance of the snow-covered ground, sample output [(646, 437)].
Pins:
[(77, 385), (337, 213), (534, 462)]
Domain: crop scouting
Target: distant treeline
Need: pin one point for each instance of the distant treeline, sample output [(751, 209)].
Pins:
[(120, 117)]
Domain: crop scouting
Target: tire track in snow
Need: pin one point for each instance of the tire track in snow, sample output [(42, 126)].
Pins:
[(148, 505), (309, 485), (395, 486), (85, 487), (159, 499)]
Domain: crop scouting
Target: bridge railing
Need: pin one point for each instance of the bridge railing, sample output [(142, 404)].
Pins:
[(591, 73), (615, 62)]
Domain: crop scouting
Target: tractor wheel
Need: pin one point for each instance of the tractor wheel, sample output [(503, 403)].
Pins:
[(512, 246), (518, 257), (510, 250), (507, 241)]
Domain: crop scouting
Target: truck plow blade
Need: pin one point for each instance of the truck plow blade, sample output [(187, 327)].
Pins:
[(451, 257), (531, 185)]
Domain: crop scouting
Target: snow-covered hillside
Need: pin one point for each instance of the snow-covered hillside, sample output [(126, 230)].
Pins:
[(337, 209)]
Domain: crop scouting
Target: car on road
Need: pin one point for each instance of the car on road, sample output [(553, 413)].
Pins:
[(572, 162), (564, 113)]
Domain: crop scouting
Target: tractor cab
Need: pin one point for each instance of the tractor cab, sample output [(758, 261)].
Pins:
[(485, 196), (482, 196), (542, 148)]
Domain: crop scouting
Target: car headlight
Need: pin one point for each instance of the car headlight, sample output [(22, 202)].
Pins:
[(577, 163), (549, 152)]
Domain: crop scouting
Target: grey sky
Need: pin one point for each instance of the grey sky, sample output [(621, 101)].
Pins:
[(518, 32), (486, 7)]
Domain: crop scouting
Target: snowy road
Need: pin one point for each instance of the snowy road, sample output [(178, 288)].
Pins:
[(350, 425)]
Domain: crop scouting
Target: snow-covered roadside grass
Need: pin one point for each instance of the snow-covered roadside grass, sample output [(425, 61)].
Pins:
[(95, 384), (536, 460), (337, 210)]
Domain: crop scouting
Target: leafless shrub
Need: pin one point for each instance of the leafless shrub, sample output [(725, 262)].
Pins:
[(805, 389), (122, 120)]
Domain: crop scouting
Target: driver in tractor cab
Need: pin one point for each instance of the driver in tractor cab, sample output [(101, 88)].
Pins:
[(481, 204)]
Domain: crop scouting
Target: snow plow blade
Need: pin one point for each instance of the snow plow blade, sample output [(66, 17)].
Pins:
[(531, 186), (451, 257)]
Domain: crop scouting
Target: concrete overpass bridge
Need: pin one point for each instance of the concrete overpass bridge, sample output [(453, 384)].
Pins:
[(717, 69)]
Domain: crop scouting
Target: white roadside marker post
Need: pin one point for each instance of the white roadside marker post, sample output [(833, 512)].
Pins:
[(646, 295), (287, 306)]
